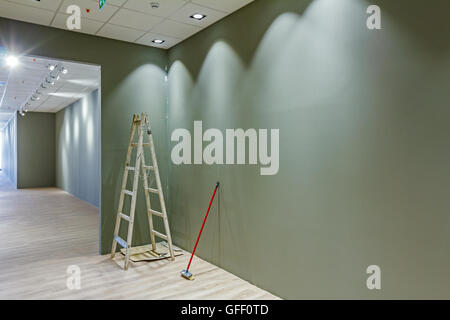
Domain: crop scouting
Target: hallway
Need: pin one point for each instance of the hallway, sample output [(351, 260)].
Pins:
[(43, 231)]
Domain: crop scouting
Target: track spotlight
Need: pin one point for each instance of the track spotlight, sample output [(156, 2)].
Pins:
[(11, 61), (49, 81), (51, 67), (63, 70)]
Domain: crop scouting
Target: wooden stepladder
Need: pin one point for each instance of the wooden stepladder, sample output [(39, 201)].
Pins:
[(142, 127)]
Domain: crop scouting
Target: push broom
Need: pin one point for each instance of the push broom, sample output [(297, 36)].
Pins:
[(185, 273)]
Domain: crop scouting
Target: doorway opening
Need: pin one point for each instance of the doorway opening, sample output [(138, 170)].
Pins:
[(51, 148)]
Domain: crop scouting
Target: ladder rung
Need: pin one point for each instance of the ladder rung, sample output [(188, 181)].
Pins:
[(125, 217), (156, 213), (149, 168), (130, 168), (120, 241), (153, 190), (130, 193), (144, 144), (159, 234)]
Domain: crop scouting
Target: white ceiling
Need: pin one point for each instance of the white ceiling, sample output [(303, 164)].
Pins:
[(128, 20), (20, 82)]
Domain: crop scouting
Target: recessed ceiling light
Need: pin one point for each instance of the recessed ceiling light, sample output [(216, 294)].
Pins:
[(11, 61), (158, 41), (198, 16)]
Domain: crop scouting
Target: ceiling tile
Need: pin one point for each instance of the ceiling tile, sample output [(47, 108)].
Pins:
[(87, 25), (185, 13), (115, 2), (43, 4), (126, 20), (175, 29), (121, 33), (25, 13), (223, 5), (149, 37), (90, 10), (133, 19), (166, 7)]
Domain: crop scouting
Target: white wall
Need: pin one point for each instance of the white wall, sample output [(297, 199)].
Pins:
[(1, 147), (78, 147), (9, 150)]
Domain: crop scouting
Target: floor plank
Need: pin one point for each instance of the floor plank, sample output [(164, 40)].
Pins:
[(43, 231)]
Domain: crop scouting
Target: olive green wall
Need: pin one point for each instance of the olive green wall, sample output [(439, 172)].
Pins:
[(133, 80), (36, 150), (364, 147), (9, 150), (77, 145), (364, 140)]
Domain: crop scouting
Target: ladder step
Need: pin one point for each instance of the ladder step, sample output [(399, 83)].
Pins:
[(125, 217), (144, 144), (130, 193), (120, 241), (130, 168), (156, 213), (149, 168), (159, 234), (153, 190)]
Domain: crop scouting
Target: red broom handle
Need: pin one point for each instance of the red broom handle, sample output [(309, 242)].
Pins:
[(204, 220)]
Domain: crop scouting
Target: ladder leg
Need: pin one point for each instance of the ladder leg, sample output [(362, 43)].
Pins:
[(122, 195), (127, 258), (134, 196), (161, 197), (147, 200)]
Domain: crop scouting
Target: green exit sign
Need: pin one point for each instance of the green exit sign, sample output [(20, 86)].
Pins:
[(101, 3)]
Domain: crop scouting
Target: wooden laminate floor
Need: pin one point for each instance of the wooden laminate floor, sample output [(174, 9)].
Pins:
[(44, 231)]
